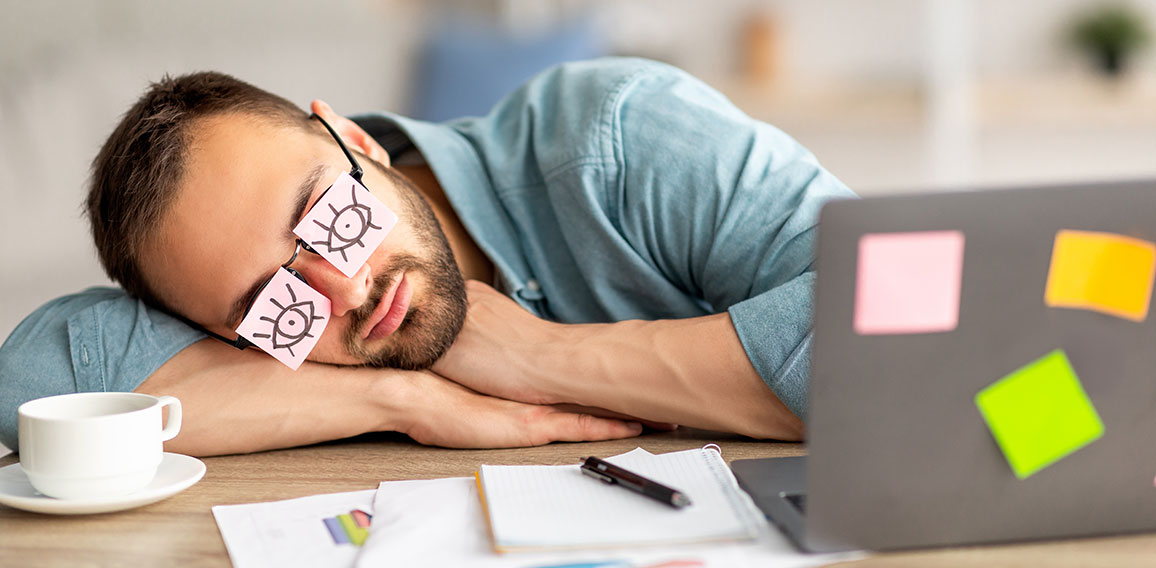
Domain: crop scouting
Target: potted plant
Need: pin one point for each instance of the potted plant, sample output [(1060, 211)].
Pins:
[(1110, 34)]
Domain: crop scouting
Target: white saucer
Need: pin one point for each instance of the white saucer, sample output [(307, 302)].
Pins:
[(175, 474)]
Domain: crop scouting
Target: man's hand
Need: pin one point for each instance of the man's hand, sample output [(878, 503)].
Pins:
[(450, 415), (492, 352)]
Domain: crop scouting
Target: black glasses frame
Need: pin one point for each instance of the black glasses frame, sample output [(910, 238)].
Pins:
[(355, 172)]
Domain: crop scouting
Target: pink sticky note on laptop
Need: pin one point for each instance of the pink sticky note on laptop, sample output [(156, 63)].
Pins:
[(346, 224), (908, 282), (286, 319)]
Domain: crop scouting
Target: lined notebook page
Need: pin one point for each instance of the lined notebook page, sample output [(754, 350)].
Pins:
[(537, 507)]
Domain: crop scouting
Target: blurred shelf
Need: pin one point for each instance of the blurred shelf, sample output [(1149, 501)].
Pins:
[(856, 106), (1047, 101), (882, 137), (1068, 100)]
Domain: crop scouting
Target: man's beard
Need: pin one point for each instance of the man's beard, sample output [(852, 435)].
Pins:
[(428, 329)]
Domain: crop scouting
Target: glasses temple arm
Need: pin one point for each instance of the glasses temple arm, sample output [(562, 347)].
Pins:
[(356, 171), (240, 343)]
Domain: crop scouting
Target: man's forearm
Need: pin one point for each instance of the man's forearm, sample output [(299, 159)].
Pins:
[(689, 371), (243, 401), (692, 372)]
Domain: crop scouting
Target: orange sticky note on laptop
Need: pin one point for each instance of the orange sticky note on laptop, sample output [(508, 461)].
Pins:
[(1104, 272)]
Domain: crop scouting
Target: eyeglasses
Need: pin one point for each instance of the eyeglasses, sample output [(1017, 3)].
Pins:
[(286, 316)]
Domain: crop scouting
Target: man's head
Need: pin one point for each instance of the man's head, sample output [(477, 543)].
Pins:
[(195, 194)]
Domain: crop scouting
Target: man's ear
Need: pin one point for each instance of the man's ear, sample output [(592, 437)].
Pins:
[(351, 133)]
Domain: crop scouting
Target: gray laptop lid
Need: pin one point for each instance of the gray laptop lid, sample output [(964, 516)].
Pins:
[(900, 456)]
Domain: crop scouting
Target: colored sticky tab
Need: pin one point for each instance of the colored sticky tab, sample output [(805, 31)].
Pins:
[(1039, 414), (908, 282), (346, 224), (286, 319), (1103, 272), (335, 530), (356, 534), (361, 518)]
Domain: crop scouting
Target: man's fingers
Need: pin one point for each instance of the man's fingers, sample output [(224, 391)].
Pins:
[(572, 427), (481, 421), (602, 412)]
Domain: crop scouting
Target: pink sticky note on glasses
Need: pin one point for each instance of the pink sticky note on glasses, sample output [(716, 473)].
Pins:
[(286, 319), (346, 224)]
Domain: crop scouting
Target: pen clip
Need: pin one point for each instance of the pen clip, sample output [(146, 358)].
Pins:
[(597, 474)]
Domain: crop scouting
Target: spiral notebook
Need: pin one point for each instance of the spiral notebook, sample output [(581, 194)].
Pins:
[(557, 508)]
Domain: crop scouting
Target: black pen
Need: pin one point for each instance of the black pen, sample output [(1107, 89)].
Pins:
[(614, 475)]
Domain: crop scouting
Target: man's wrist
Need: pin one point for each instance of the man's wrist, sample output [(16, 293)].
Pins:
[(567, 363), (393, 393)]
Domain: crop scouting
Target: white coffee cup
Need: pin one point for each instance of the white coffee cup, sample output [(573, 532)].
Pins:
[(94, 445)]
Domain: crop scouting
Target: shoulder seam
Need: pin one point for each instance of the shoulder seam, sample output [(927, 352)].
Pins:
[(610, 133)]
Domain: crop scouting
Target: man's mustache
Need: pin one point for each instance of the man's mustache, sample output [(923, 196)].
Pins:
[(381, 284)]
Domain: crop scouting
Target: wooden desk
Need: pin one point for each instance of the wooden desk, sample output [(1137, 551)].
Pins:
[(180, 531)]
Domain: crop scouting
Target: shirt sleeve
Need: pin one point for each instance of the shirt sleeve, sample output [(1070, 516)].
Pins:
[(96, 340), (726, 206)]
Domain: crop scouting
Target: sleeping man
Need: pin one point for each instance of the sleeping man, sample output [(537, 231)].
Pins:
[(614, 236)]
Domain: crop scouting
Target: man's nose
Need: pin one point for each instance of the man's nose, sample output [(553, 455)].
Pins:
[(344, 293)]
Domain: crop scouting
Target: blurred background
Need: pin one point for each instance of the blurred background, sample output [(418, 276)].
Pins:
[(891, 95)]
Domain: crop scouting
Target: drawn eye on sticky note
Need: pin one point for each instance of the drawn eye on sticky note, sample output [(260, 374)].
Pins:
[(286, 319), (908, 282), (346, 224), (1039, 414), (1104, 272)]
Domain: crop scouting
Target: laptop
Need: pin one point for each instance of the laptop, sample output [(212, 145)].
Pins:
[(900, 454)]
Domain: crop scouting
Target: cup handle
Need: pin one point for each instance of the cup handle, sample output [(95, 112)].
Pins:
[(174, 422)]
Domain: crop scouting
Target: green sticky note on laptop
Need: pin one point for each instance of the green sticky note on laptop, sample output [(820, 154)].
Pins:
[(1039, 414)]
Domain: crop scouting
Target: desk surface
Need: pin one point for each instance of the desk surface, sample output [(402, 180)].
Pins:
[(180, 531)]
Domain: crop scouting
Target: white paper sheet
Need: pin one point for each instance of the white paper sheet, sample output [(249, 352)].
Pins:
[(290, 533), (441, 523), (556, 507)]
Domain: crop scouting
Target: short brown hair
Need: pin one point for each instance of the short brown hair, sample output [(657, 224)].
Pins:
[(136, 174)]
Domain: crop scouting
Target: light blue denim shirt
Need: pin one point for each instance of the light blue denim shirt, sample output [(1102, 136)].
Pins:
[(602, 191)]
